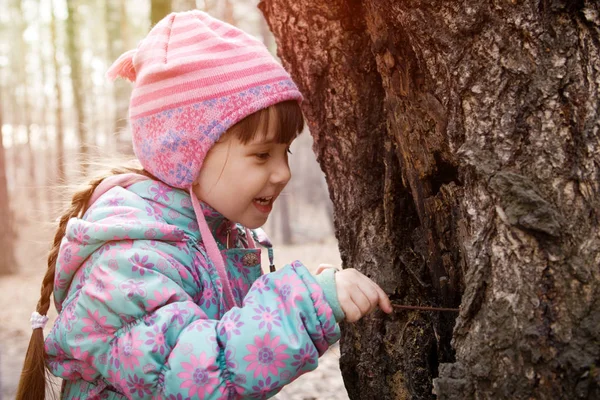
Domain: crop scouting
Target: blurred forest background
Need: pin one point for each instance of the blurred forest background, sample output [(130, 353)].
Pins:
[(62, 121)]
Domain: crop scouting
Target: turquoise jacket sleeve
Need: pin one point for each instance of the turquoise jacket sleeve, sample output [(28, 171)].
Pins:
[(134, 324), (326, 280)]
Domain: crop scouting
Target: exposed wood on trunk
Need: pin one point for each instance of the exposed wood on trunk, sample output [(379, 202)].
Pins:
[(460, 142)]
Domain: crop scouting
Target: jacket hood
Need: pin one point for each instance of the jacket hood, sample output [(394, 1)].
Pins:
[(147, 210)]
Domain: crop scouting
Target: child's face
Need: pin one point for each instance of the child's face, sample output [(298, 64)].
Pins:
[(241, 181)]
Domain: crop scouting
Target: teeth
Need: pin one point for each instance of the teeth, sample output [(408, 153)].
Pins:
[(263, 200)]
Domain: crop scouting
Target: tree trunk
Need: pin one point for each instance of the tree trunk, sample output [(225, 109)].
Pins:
[(77, 83), (15, 156), (117, 42), (228, 15), (183, 5), (159, 10), (48, 160), (460, 142), (284, 218), (58, 116), (7, 234), (267, 36), (26, 112), (212, 7)]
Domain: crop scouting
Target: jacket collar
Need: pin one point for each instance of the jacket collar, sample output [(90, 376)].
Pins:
[(172, 204), (223, 230)]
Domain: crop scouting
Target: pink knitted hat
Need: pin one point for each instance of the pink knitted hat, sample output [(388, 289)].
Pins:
[(194, 77)]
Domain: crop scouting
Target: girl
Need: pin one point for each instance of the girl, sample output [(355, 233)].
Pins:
[(155, 271)]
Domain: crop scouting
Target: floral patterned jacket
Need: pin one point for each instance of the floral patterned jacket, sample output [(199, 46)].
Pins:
[(141, 312)]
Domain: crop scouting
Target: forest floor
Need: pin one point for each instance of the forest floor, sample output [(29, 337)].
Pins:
[(19, 293)]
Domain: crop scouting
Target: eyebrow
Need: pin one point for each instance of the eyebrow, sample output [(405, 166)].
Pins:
[(262, 143)]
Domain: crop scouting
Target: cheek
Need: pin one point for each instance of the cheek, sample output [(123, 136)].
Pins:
[(209, 173), (206, 185), (248, 178), (234, 191)]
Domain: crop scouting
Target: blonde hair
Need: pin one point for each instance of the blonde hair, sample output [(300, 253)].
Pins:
[(32, 384)]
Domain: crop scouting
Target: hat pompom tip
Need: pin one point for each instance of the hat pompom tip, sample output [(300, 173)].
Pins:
[(123, 67)]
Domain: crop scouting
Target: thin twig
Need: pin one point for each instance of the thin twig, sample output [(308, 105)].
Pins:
[(424, 308)]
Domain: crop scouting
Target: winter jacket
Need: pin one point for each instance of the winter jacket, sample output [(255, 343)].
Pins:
[(141, 308)]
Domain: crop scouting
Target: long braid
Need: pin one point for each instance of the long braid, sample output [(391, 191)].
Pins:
[(32, 384)]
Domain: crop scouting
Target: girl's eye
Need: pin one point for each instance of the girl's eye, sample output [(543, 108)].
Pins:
[(263, 156), (289, 150)]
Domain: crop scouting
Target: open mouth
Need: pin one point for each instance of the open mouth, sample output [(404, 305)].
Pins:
[(264, 200), (264, 204)]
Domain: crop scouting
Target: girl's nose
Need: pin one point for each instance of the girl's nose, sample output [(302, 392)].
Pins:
[(281, 174)]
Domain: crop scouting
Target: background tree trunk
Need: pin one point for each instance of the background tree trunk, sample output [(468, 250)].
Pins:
[(287, 237), (78, 84), (267, 36), (159, 10), (7, 233), (460, 142), (58, 111), (228, 12), (47, 160), (117, 43), (183, 5), (28, 180), (14, 156)]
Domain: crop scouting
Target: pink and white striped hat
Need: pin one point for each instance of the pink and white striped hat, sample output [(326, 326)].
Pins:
[(194, 77)]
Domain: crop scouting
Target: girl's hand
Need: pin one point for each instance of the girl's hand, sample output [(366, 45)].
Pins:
[(359, 295)]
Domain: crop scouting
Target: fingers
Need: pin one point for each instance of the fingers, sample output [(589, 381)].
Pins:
[(352, 313), (358, 295), (383, 299), (350, 309), (362, 301), (369, 292), (377, 297)]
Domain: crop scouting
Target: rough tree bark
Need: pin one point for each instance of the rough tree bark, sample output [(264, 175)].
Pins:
[(460, 141)]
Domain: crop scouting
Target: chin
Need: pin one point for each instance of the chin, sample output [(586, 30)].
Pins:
[(253, 224)]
